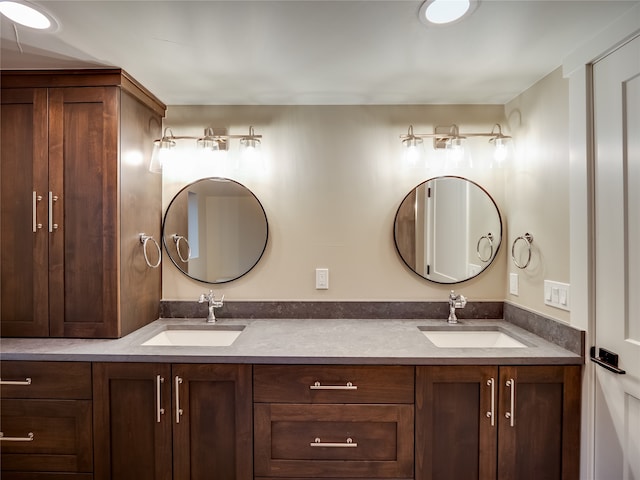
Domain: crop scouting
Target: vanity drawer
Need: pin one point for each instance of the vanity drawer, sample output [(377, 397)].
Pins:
[(60, 432), (46, 380), (333, 441), (333, 384)]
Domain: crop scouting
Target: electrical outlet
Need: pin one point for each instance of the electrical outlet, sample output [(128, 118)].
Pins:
[(557, 294), (322, 278)]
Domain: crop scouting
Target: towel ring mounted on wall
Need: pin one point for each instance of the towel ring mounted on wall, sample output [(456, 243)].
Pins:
[(144, 239), (528, 239), (489, 238)]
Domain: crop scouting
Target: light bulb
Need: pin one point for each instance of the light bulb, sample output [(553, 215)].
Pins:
[(500, 150)]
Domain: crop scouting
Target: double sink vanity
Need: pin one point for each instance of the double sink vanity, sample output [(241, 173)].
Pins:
[(94, 389), (294, 398)]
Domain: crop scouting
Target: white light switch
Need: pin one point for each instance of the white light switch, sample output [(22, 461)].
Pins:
[(513, 283), (322, 278), (557, 294)]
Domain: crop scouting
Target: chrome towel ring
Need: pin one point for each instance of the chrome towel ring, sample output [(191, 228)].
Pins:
[(489, 238), (177, 239), (528, 239), (144, 239)]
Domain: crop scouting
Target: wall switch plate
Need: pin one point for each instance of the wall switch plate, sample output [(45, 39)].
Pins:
[(513, 283), (322, 278), (557, 294)]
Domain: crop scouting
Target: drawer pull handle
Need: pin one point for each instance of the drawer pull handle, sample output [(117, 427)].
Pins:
[(318, 386), (26, 381), (348, 444), (28, 438)]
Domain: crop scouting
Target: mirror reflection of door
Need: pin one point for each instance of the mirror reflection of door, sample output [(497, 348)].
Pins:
[(446, 231)]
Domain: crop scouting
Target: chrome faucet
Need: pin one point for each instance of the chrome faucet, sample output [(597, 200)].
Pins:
[(213, 304), (455, 301)]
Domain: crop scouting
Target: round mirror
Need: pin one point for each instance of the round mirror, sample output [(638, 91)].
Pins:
[(448, 229), (215, 230)]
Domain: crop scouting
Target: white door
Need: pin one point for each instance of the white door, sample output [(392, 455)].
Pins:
[(617, 264)]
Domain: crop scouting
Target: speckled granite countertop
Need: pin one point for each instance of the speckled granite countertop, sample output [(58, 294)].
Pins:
[(300, 341)]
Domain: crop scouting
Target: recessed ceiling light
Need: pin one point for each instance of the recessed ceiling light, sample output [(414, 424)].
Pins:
[(27, 15), (443, 12)]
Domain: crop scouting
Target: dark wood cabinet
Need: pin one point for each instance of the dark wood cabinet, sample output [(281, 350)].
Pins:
[(333, 421), (74, 200), (483, 422), (161, 421), (46, 420)]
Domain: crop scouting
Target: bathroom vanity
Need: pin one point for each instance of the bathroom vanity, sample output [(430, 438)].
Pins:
[(292, 399)]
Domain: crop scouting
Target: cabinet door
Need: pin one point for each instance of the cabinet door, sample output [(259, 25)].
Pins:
[(456, 422), (212, 433), (24, 299), (132, 421), (83, 174), (539, 431)]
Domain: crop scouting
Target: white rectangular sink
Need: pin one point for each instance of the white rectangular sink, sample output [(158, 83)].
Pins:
[(196, 337), (472, 339)]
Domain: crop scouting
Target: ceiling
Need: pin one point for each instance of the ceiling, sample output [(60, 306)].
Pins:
[(309, 52)]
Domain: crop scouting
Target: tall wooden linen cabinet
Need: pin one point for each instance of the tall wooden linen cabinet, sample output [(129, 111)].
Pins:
[(75, 196)]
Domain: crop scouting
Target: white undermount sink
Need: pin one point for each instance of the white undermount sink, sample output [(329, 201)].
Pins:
[(466, 338), (177, 336)]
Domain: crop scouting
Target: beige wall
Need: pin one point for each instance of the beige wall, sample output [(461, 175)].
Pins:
[(537, 188), (333, 179), (334, 176)]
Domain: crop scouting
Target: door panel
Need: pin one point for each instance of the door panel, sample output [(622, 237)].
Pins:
[(24, 300), (83, 245), (617, 264), (132, 438)]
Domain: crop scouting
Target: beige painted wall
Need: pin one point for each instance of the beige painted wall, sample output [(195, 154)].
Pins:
[(537, 189), (332, 181)]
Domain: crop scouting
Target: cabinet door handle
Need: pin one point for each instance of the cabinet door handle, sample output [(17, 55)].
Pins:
[(159, 409), (511, 415), (492, 413), (319, 386), (36, 199), (28, 438), (179, 411), (26, 381), (349, 443), (52, 199)]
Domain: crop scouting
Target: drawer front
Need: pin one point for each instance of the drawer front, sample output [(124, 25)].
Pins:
[(46, 380), (46, 435), (333, 441), (333, 384)]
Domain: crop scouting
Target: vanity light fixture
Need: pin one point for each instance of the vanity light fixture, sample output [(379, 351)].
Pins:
[(28, 15), (450, 138), (209, 141)]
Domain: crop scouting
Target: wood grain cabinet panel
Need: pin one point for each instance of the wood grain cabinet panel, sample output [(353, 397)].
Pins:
[(331, 421), (333, 384), (162, 421), (487, 423), (46, 420), (72, 264)]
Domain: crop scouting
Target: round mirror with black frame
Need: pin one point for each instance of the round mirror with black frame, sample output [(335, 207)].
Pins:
[(448, 229), (215, 230)]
